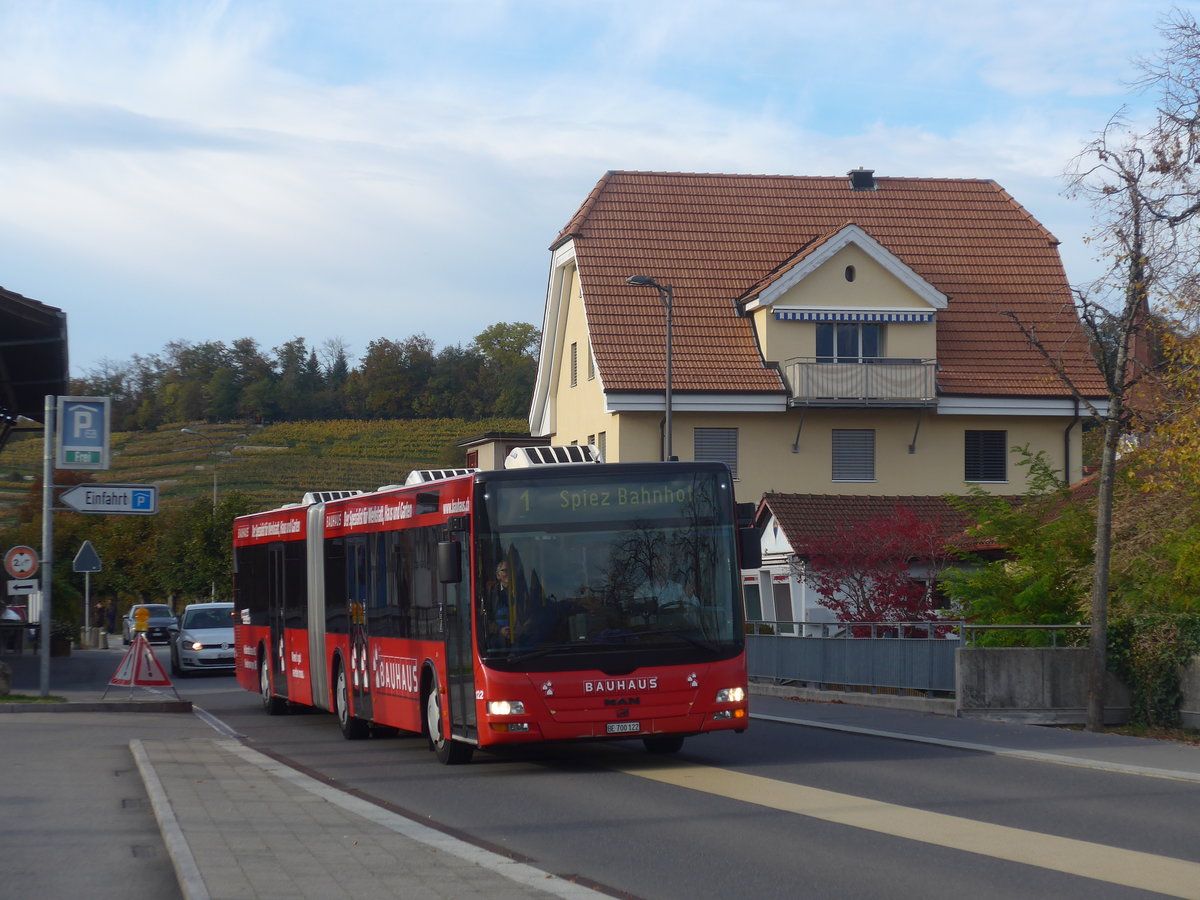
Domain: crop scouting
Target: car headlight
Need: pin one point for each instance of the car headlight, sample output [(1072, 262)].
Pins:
[(731, 695), (196, 645), (506, 707)]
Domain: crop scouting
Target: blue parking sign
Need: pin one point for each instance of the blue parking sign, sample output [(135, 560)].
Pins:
[(83, 432)]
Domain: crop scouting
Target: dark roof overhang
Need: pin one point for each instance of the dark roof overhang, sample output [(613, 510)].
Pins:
[(33, 358)]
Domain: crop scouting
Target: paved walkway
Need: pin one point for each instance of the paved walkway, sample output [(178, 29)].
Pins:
[(238, 824)]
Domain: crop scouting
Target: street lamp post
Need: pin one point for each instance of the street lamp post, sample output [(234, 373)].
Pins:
[(664, 291), (213, 450), (212, 444)]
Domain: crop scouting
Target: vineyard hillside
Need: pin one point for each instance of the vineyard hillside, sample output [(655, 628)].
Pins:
[(272, 464)]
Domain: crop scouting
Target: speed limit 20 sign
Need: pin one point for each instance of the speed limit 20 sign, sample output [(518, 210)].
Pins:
[(21, 562)]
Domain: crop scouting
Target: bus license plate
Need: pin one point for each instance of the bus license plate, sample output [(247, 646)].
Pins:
[(623, 727)]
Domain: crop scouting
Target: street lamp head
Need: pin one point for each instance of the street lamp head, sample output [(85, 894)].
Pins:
[(189, 431), (642, 281)]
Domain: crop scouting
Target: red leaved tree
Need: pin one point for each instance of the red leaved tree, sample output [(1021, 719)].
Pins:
[(882, 569)]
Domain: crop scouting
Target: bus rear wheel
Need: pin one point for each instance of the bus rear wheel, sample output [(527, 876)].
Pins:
[(664, 743), (353, 728), (274, 706), (449, 752)]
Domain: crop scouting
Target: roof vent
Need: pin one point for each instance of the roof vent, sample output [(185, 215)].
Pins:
[(325, 496), (524, 457), (862, 179), (422, 476)]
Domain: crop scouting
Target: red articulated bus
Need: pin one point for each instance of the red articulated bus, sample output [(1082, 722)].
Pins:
[(549, 602)]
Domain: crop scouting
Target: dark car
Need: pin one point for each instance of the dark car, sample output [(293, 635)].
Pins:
[(203, 640), (158, 626)]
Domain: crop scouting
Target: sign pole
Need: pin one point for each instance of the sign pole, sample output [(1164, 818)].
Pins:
[(47, 542)]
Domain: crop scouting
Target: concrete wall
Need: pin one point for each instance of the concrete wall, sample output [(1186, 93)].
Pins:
[(1189, 707), (1042, 685)]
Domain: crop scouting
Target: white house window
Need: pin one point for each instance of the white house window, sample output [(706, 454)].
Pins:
[(716, 445), (986, 455), (849, 342), (853, 454)]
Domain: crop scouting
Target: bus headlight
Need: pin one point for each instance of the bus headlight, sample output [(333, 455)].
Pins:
[(506, 707), (731, 695)]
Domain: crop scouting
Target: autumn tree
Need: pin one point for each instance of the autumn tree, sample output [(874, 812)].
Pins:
[(879, 570), (1141, 180), (1040, 568)]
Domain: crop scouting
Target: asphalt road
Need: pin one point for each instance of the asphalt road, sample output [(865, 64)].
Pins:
[(780, 811)]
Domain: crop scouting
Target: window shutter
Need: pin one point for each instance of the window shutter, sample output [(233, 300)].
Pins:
[(985, 455), (853, 454), (716, 445)]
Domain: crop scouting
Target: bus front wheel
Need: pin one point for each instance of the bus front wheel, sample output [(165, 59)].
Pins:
[(449, 752)]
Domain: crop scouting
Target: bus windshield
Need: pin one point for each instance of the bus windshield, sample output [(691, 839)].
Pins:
[(590, 571)]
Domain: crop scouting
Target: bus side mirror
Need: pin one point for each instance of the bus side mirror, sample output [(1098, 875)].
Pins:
[(449, 559), (749, 548)]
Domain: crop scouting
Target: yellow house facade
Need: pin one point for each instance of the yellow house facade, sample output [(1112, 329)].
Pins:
[(860, 342)]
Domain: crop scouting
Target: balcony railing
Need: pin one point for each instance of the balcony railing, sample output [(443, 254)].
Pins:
[(876, 381)]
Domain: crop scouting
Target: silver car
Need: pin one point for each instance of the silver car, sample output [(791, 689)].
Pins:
[(159, 622), (203, 641)]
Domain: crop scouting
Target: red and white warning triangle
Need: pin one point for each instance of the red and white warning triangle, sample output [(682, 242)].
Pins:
[(141, 667)]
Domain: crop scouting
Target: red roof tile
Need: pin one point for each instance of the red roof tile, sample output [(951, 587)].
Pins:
[(713, 238), (807, 517)]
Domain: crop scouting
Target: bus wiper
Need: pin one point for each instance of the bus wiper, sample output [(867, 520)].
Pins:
[(700, 643), (516, 656)]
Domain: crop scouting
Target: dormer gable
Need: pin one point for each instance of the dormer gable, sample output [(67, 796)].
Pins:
[(845, 277), (810, 259)]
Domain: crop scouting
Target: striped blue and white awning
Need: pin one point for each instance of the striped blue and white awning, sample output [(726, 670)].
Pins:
[(847, 316)]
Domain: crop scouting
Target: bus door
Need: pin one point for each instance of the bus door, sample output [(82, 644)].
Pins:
[(360, 576), (276, 588), (455, 607)]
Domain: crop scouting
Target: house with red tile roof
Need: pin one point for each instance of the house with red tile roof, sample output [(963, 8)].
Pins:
[(840, 342), (829, 335)]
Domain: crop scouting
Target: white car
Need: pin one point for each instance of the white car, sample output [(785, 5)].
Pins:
[(203, 641)]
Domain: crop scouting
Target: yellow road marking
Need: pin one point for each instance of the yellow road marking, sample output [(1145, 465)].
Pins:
[(1166, 875)]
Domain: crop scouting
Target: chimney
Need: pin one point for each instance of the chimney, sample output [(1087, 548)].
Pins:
[(862, 179)]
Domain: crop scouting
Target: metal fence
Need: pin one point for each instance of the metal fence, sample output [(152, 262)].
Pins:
[(915, 656)]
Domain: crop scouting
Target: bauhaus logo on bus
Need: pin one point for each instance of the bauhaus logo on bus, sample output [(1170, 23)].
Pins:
[(621, 685), (395, 675)]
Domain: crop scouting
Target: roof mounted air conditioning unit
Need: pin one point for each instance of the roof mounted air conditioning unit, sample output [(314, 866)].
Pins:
[(525, 457), (325, 496), (422, 476)]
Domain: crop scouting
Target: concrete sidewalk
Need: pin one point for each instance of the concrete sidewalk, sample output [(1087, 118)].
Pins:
[(238, 824)]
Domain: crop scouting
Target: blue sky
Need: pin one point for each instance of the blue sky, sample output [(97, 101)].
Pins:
[(215, 169)]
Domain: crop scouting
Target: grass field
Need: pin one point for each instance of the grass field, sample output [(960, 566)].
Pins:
[(273, 464)]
